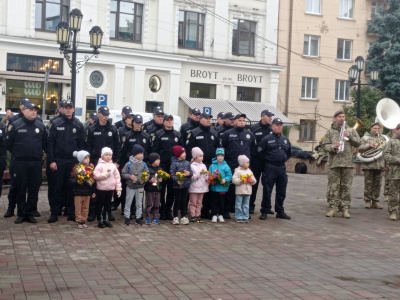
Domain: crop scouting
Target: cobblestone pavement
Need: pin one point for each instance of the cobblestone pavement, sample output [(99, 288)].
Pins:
[(308, 257)]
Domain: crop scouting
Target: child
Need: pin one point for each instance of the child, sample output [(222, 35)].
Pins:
[(243, 189), (218, 191), (107, 180), (133, 173), (181, 183), (82, 190), (152, 190), (198, 185)]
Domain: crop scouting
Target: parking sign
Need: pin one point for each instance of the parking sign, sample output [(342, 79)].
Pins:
[(207, 110), (101, 100)]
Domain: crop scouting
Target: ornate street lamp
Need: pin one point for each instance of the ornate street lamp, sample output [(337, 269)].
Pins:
[(68, 32)]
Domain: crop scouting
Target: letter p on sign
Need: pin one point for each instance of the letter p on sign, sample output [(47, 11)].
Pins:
[(207, 110), (101, 100)]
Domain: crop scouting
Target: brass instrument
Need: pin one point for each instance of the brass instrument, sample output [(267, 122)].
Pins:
[(359, 124), (342, 138)]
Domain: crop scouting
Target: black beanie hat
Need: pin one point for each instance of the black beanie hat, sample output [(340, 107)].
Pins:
[(137, 149), (153, 157)]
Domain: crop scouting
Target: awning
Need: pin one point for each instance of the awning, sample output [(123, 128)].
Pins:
[(251, 109), (33, 77)]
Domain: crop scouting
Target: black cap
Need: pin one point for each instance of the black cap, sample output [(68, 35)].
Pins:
[(221, 115), (205, 115), (195, 111), (24, 101), (156, 108), (240, 116), (66, 103), (126, 109), (167, 116), (128, 115), (137, 119), (229, 115), (29, 105), (61, 104), (266, 112), (158, 111), (103, 110), (93, 116), (277, 121)]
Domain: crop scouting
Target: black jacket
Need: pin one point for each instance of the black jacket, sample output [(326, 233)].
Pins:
[(98, 137), (122, 132), (82, 189), (222, 128), (149, 187), (3, 132), (65, 137), (132, 138), (119, 124), (206, 138), (16, 117), (187, 128), (162, 143), (275, 149), (153, 128), (237, 141), (259, 130), (147, 124), (26, 140)]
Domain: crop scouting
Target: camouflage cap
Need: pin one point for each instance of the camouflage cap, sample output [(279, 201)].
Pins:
[(375, 124), (339, 112)]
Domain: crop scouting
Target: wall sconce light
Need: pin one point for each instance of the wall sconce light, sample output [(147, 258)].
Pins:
[(3, 90), (68, 96)]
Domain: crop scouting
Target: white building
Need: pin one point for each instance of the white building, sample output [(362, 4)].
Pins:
[(154, 53)]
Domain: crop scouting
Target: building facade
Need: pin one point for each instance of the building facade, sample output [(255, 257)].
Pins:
[(319, 42), (153, 53)]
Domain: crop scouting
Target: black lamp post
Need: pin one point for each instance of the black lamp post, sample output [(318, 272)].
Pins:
[(64, 33), (354, 72)]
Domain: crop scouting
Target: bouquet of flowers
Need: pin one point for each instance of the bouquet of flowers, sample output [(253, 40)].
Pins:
[(144, 176), (216, 178), (181, 177), (204, 172), (160, 175), (246, 177), (83, 174)]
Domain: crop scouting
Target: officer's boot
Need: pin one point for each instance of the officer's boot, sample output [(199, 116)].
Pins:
[(393, 215), (346, 214), (376, 205), (367, 204), (332, 212)]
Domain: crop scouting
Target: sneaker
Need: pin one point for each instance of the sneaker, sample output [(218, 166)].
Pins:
[(221, 219), (84, 225), (79, 225), (239, 221), (193, 219), (199, 220), (156, 221), (245, 220), (214, 219), (127, 221), (138, 222), (184, 221), (148, 221), (175, 221)]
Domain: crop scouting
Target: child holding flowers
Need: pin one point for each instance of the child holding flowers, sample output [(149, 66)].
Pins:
[(83, 186), (198, 185), (136, 174), (108, 180), (243, 179), (180, 174), (219, 169)]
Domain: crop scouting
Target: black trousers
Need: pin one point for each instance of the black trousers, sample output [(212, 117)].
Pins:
[(274, 175), (166, 202), (217, 200), (121, 200), (230, 197), (62, 187), (103, 204), (3, 163), (13, 191), (257, 167), (28, 178), (180, 202)]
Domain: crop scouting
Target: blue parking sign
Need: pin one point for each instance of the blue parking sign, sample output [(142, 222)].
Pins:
[(101, 100), (207, 110)]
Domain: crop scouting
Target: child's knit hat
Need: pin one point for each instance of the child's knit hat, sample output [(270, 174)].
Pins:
[(136, 149), (242, 159), (153, 157), (196, 152), (80, 155), (220, 151), (178, 150), (106, 150)]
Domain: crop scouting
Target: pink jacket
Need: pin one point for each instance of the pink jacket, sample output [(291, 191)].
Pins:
[(198, 184), (105, 182)]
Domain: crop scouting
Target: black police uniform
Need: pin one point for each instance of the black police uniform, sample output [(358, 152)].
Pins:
[(147, 124), (162, 143), (153, 128), (121, 123), (222, 128), (3, 153), (187, 128), (122, 131), (65, 137), (259, 130), (236, 141), (276, 151), (26, 140)]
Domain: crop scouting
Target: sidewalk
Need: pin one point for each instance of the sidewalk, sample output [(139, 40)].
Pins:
[(309, 257)]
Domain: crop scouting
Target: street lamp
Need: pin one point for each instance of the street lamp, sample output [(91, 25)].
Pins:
[(65, 33), (47, 68), (354, 72)]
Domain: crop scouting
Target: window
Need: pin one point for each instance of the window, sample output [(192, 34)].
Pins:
[(375, 7), (307, 130), (311, 45), (191, 30), (309, 88), (32, 64), (346, 9), (243, 37), (48, 13), (313, 6), (151, 105), (202, 90), (344, 49), (248, 94), (342, 90), (126, 21)]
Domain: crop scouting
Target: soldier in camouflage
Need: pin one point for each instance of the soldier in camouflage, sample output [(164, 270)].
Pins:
[(392, 158), (340, 164), (386, 173), (372, 170)]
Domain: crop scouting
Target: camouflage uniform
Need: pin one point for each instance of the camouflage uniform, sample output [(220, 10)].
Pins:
[(341, 169), (386, 174), (372, 170), (392, 157)]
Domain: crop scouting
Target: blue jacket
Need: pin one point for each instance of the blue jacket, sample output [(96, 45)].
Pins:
[(180, 166), (226, 174)]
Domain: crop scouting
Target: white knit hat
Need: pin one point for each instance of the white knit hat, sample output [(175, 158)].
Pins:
[(242, 159), (106, 150), (80, 155), (196, 152)]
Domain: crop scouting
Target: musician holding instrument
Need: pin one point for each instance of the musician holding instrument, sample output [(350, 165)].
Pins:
[(338, 142), (370, 153)]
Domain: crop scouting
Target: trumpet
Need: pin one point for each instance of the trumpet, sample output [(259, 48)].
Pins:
[(342, 138)]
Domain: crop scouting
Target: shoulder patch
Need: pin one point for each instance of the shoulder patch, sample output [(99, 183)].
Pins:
[(153, 138), (10, 127), (189, 135)]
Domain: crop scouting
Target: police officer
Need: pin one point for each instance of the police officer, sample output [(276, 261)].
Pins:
[(157, 124), (220, 119), (260, 130), (156, 110), (124, 129), (191, 124), (125, 110), (229, 121), (66, 135), (26, 140), (90, 121), (162, 143), (102, 134), (3, 153), (276, 150), (236, 141)]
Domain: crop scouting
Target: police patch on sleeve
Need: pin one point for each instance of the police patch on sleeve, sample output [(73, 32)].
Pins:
[(153, 138), (74, 130), (123, 139), (187, 142), (212, 137), (176, 139), (247, 136), (109, 133), (188, 137), (259, 149), (144, 141), (37, 130), (285, 141), (9, 127)]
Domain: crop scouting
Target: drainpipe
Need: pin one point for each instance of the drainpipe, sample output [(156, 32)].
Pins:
[(286, 111)]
